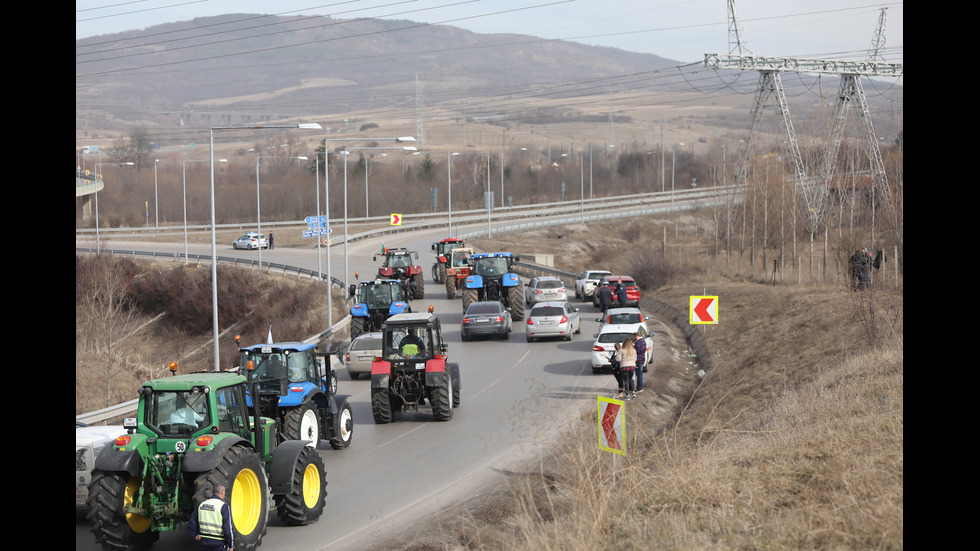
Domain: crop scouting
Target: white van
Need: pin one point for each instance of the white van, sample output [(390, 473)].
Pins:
[(89, 441)]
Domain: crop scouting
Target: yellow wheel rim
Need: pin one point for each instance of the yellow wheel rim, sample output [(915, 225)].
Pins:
[(311, 485), (246, 501), (137, 523)]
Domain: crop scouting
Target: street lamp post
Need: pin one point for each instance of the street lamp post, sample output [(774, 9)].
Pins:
[(184, 163), (214, 239), (156, 195)]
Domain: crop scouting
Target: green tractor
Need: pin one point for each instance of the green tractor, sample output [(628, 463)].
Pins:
[(191, 433)]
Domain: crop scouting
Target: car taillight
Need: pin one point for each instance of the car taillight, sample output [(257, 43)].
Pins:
[(641, 317), (564, 319), (348, 356), (123, 440), (597, 348), (561, 289), (466, 320), (499, 319), (205, 440), (530, 321), (538, 291)]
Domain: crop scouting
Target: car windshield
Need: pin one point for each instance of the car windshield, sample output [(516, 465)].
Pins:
[(545, 311), (490, 266), (480, 308), (177, 413), (366, 344), (609, 338), (549, 284), (625, 318)]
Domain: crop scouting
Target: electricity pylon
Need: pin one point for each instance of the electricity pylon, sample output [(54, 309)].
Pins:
[(769, 92)]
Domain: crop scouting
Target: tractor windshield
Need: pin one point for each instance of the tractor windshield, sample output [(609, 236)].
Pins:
[(399, 261), (459, 258), (379, 296), (271, 368), (411, 342), (490, 267), (177, 413)]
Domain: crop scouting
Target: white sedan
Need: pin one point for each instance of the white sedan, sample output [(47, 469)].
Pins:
[(585, 284), (605, 343)]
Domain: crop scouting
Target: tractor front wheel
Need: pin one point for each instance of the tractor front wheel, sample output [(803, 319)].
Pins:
[(109, 493), (344, 428), (304, 503), (303, 423), (242, 473)]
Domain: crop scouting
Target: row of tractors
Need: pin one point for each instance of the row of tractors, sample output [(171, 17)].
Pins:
[(256, 429)]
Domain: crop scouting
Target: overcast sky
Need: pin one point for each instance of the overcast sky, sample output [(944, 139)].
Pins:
[(682, 30)]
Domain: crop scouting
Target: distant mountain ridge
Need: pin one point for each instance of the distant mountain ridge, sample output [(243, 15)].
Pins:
[(267, 67)]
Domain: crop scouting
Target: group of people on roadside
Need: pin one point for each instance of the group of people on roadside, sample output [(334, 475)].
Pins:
[(627, 361), (605, 293)]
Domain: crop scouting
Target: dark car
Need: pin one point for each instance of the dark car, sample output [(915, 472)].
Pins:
[(486, 318)]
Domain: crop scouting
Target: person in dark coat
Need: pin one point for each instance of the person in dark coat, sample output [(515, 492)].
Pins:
[(621, 295), (604, 296), (861, 269)]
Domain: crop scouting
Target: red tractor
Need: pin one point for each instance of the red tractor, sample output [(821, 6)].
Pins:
[(457, 269), (442, 250), (398, 265)]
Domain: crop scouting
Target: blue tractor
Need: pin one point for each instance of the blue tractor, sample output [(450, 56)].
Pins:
[(491, 279), (294, 385), (374, 302)]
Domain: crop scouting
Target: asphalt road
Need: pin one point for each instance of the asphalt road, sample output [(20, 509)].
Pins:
[(515, 397)]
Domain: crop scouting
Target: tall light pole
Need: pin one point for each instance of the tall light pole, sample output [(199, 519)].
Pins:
[(156, 195), (214, 240), (346, 152), (258, 206), (184, 163)]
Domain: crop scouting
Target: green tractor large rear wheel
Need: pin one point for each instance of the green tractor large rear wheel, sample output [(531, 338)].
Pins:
[(109, 494), (242, 473)]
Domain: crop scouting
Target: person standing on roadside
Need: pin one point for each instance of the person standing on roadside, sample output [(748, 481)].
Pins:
[(621, 295), (210, 523), (640, 345), (604, 296), (272, 241), (628, 366), (615, 359)]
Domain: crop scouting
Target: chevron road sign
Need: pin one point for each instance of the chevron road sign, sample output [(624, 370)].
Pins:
[(612, 425), (704, 310)]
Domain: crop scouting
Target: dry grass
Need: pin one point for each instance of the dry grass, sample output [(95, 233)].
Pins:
[(792, 440)]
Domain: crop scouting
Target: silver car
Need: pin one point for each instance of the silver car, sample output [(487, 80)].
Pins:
[(361, 352), (553, 319), (544, 289), (585, 285), (251, 240)]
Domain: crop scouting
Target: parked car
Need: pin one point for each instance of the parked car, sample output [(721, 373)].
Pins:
[(586, 283), (624, 316), (89, 441), (486, 318), (605, 343), (544, 289), (632, 290), (251, 240), (361, 352), (553, 319)]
